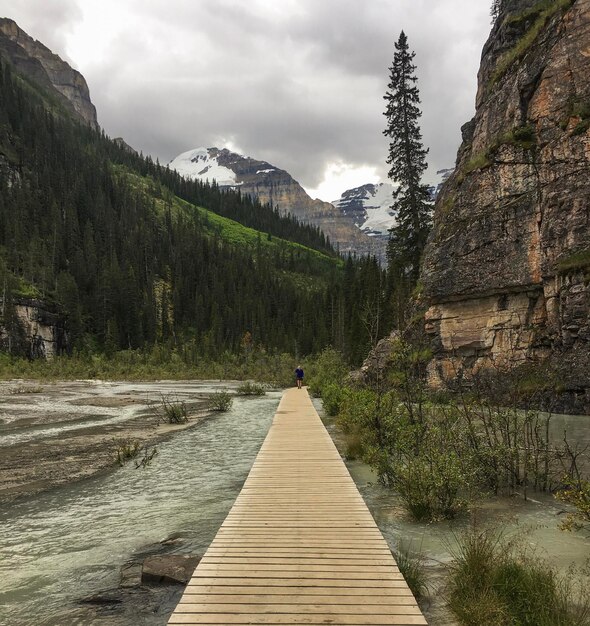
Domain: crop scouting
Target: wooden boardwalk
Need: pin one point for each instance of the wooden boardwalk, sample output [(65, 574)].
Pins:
[(299, 545)]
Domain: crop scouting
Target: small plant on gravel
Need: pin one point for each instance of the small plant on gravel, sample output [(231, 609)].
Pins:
[(126, 451), (251, 389), (147, 457), (220, 401), (175, 412)]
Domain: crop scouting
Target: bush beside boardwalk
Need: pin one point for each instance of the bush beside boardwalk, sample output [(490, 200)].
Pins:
[(443, 454)]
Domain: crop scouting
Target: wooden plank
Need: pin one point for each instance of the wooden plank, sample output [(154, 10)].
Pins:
[(303, 583), (281, 598), (298, 551), (279, 620), (341, 593), (301, 609), (299, 545)]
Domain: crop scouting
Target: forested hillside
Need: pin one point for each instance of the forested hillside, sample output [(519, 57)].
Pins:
[(129, 254)]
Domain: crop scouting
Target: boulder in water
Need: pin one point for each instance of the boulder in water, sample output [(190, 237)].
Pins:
[(166, 569)]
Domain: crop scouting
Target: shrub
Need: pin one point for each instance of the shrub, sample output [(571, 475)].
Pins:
[(493, 582), (354, 446), (332, 398), (174, 412), (524, 136), (422, 453), (328, 368), (220, 401), (576, 493), (126, 451), (251, 389)]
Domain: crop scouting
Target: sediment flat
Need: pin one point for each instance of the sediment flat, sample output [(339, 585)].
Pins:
[(59, 433)]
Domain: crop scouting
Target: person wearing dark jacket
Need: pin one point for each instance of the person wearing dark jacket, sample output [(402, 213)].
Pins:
[(299, 376)]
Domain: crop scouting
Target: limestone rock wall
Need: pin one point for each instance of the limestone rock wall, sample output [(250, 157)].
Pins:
[(507, 268), (40, 331), (35, 60)]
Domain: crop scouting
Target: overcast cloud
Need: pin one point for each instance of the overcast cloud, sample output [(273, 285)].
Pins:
[(298, 83)]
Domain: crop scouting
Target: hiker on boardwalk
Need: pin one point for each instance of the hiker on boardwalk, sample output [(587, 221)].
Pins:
[(299, 376)]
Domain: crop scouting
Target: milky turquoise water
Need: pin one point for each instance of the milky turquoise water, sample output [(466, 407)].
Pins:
[(61, 546)]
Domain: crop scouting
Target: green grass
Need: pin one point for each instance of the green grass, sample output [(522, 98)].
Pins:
[(580, 110), (448, 205), (478, 161), (579, 260), (312, 266), (521, 136), (24, 289), (233, 232), (494, 582), (411, 565), (542, 13), (581, 127)]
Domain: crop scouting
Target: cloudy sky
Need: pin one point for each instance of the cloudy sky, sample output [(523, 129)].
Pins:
[(298, 83)]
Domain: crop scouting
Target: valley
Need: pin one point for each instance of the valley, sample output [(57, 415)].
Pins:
[(154, 309)]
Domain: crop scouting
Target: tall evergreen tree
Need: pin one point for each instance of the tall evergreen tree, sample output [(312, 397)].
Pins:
[(407, 158)]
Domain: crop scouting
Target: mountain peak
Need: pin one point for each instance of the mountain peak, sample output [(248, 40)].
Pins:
[(203, 164), (370, 207), (272, 185), (38, 62)]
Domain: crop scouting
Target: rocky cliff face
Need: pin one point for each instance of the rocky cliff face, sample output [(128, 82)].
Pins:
[(33, 59), (507, 268), (275, 186), (8, 172), (37, 330)]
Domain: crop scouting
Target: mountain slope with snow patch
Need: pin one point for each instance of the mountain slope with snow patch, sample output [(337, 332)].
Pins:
[(272, 185)]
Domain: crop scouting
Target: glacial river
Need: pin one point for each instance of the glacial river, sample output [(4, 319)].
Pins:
[(64, 545)]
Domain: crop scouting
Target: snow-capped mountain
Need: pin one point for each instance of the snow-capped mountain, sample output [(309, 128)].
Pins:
[(203, 164), (357, 222), (369, 206), (275, 186)]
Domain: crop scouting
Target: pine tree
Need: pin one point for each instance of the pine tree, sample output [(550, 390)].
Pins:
[(407, 158)]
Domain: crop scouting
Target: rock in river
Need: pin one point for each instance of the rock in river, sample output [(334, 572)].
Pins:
[(168, 569)]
